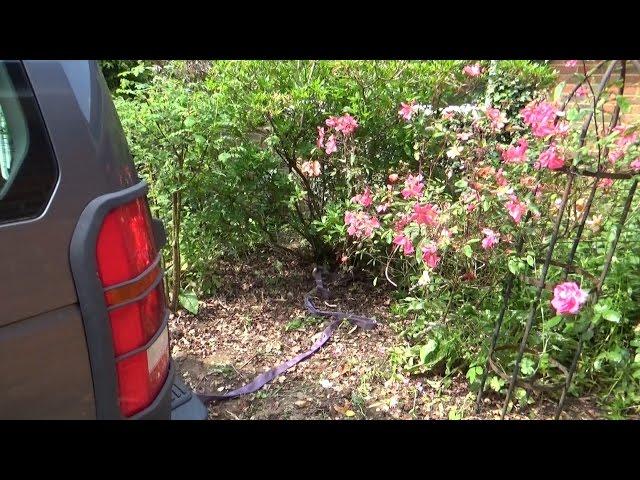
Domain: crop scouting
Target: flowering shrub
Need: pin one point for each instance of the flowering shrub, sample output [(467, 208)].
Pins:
[(451, 227), (420, 174)]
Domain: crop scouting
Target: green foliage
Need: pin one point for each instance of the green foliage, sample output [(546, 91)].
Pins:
[(117, 72), (517, 82), (189, 300)]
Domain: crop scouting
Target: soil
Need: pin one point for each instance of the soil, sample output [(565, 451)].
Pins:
[(257, 320)]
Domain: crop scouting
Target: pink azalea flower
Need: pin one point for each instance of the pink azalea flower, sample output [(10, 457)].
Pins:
[(446, 233), (346, 124), (430, 255), (332, 122), (624, 141), (582, 91), (568, 297), (562, 128), (464, 136), (360, 224), (405, 242), (383, 207), (412, 187), (605, 183), (571, 63), (517, 154), (500, 178), (516, 208), (320, 140), (615, 155), (364, 198), (407, 110), (635, 164), (402, 222), (425, 214), (393, 178), (472, 70), (496, 117), (370, 224), (331, 145), (540, 117), (471, 207), (550, 159), (311, 169), (490, 239)]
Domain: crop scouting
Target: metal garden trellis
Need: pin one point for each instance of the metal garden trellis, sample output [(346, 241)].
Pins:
[(571, 174)]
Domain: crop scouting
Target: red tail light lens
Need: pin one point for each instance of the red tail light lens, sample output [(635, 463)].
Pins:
[(127, 260), (141, 376), (134, 324), (125, 245)]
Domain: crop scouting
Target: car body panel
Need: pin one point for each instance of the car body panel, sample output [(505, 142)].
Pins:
[(44, 368)]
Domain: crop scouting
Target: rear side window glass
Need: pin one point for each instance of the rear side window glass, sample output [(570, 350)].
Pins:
[(28, 170)]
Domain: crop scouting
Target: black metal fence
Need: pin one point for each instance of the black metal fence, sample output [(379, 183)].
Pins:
[(568, 266)]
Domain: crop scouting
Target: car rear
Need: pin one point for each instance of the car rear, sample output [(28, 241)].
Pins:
[(85, 331)]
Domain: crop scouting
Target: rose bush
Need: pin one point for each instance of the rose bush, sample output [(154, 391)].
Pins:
[(447, 230)]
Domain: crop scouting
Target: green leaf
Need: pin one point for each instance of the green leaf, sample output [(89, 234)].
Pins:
[(612, 316), (514, 265), (426, 349), (496, 383), (530, 260), (527, 366), (189, 122), (474, 372), (454, 414), (623, 103), (189, 300), (467, 250), (553, 321), (557, 92)]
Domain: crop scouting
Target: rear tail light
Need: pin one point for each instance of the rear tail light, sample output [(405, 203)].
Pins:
[(128, 267)]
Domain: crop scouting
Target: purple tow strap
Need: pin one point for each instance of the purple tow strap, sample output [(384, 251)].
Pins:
[(257, 383)]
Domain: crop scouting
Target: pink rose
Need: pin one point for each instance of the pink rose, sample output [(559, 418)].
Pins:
[(568, 297)]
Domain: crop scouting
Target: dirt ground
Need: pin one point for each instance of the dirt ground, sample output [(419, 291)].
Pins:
[(257, 320)]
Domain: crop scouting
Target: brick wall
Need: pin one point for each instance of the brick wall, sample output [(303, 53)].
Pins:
[(631, 88)]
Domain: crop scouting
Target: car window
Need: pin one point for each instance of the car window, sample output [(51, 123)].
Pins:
[(28, 170)]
